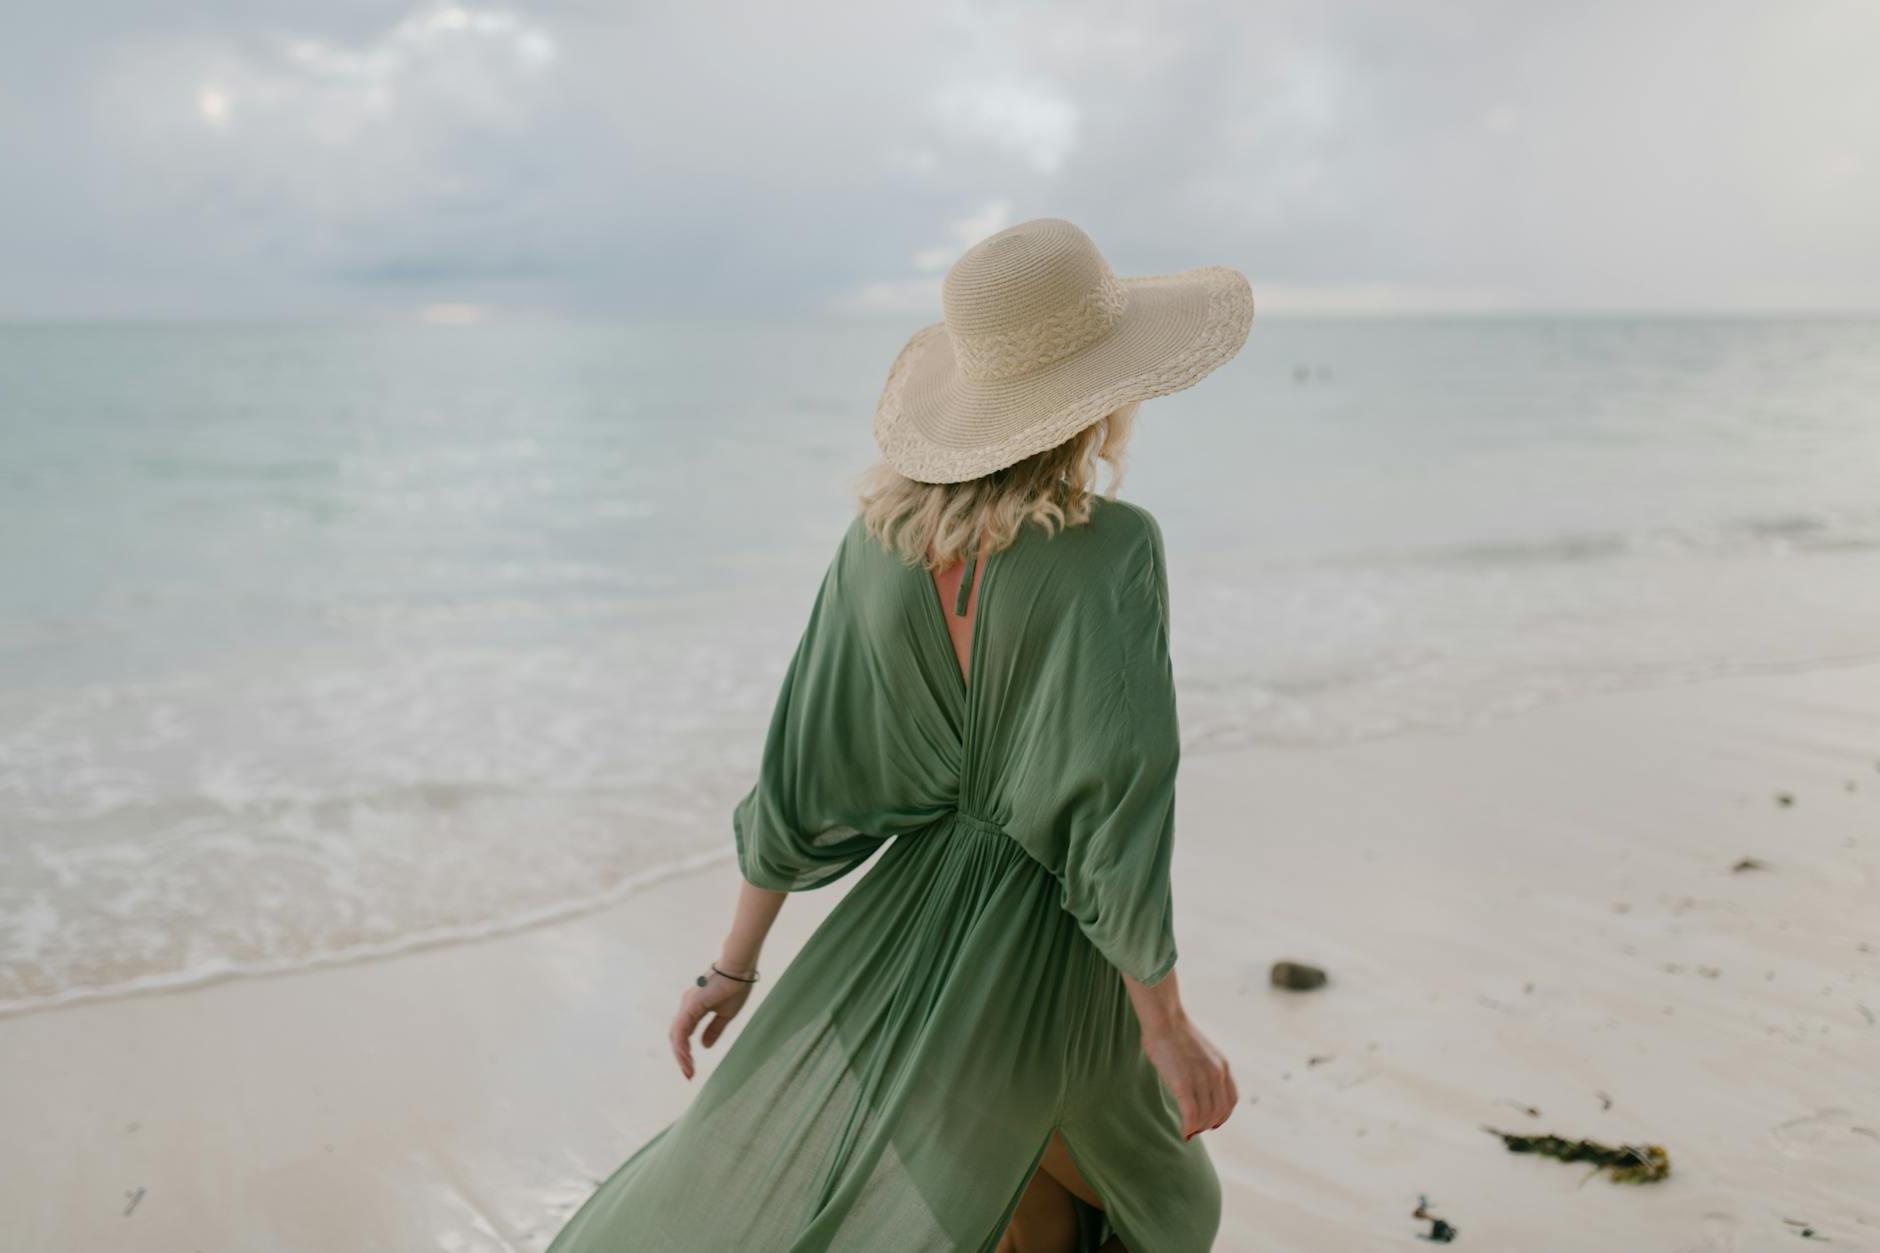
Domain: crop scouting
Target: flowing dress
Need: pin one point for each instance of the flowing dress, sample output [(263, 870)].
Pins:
[(898, 1085)]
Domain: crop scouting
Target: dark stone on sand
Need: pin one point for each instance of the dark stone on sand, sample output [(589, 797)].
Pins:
[(1750, 863), (1297, 976), (1785, 799)]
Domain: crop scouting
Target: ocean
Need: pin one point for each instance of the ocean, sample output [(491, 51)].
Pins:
[(319, 641)]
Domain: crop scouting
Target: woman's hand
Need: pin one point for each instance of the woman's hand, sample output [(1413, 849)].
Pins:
[(722, 998), (1192, 1069), (1194, 1072)]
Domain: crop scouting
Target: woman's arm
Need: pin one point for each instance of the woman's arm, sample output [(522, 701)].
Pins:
[(750, 925), (723, 997), (1192, 1069)]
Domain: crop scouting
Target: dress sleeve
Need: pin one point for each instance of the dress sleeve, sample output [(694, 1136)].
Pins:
[(808, 819), (1119, 841)]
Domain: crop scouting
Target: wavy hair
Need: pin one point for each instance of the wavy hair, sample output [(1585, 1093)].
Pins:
[(930, 524)]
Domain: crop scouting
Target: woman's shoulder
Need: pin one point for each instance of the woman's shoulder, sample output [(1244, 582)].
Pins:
[(1125, 520), (1120, 534), (866, 567), (1085, 568)]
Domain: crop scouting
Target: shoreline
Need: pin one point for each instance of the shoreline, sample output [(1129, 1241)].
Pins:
[(1519, 914), (702, 860), (418, 942)]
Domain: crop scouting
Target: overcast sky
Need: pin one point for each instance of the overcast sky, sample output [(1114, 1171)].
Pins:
[(268, 157)]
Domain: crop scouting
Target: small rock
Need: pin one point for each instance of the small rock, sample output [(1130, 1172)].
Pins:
[(1297, 976), (1750, 863), (1785, 799)]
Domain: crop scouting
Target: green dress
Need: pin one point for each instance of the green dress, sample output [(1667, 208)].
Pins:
[(897, 1086)]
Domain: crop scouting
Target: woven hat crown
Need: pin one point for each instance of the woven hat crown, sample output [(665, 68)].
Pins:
[(1027, 297)]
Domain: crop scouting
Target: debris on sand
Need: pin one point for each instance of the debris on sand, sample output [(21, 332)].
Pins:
[(1627, 1163), (1605, 1101), (1297, 976), (1785, 799), (132, 1198), (1440, 1232), (1806, 1230), (1750, 863)]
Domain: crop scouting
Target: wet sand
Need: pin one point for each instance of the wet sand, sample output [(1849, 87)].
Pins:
[(1537, 913)]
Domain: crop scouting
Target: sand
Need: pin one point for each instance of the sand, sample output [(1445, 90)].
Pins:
[(1540, 912)]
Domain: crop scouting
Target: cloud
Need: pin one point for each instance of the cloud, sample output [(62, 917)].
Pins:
[(394, 152), (914, 296), (283, 155), (1362, 299), (474, 63), (922, 294), (1032, 121)]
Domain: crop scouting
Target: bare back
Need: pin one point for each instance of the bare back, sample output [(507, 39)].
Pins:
[(960, 626)]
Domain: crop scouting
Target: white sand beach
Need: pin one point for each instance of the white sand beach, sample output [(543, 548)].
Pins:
[(1540, 913)]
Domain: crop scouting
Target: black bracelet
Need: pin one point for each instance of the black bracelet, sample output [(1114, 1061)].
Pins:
[(703, 979)]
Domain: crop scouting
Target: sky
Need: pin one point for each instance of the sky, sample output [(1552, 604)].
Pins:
[(270, 158)]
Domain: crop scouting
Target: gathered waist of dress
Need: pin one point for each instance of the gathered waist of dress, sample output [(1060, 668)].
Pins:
[(968, 840), (972, 822), (975, 836)]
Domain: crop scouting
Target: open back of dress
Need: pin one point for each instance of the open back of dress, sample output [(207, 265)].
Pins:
[(896, 1087)]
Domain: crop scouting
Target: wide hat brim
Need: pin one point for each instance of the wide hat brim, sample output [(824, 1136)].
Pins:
[(935, 425)]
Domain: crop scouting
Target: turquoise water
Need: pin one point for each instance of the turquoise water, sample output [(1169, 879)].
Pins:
[(318, 640)]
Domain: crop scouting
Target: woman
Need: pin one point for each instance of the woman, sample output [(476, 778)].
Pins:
[(983, 1047)]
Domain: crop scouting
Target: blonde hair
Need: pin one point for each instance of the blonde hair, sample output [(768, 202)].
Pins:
[(931, 524)]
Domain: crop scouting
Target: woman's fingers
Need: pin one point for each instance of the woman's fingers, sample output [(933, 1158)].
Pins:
[(1217, 1097), (1215, 1105), (713, 1029), (1191, 1112), (1224, 1095), (683, 1024), (681, 1049), (679, 1052)]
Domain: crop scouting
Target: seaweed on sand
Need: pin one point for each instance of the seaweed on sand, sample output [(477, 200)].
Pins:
[(1625, 1163)]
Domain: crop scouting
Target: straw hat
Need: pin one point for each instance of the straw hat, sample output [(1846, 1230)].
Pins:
[(1041, 340)]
